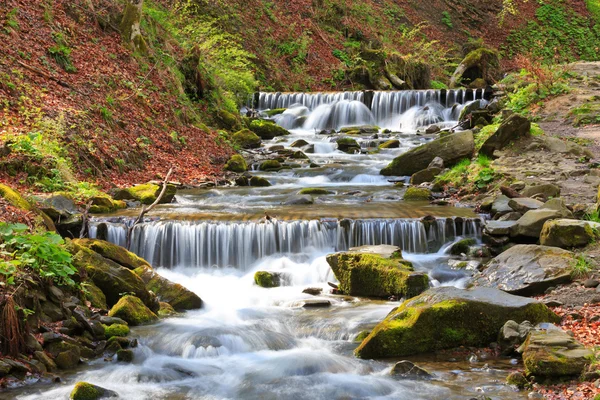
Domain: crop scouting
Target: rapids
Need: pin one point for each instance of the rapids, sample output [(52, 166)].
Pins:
[(254, 343)]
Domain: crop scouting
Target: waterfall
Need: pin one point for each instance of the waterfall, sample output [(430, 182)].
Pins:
[(406, 110), (239, 244)]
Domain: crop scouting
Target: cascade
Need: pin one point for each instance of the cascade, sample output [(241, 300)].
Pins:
[(240, 244)]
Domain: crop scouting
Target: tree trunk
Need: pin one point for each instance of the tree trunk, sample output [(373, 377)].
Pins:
[(130, 25)]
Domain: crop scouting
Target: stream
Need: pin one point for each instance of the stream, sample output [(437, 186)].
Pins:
[(254, 343)]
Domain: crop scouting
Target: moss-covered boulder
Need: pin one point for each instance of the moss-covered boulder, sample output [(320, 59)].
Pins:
[(117, 330), (133, 310), (166, 310), (550, 352), (113, 252), (390, 144), (246, 139), (527, 270), (174, 294), (376, 271), (94, 295), (348, 145), (568, 233), (267, 130), (259, 182), (275, 111), (451, 148), (270, 165), (462, 246), (16, 200), (267, 279), (229, 121), (105, 204), (125, 355), (315, 191), (146, 193), (482, 63), (425, 175), (417, 194), (513, 128), (236, 164), (112, 278), (447, 317), (87, 391)]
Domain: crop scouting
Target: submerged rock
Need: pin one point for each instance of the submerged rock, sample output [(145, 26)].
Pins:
[(376, 271), (550, 352), (348, 145), (450, 148), (406, 369), (390, 144), (132, 310), (87, 391), (447, 317), (527, 270), (567, 233), (299, 200), (176, 295)]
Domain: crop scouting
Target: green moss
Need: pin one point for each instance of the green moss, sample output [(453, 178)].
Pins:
[(113, 252), (362, 336), (125, 355), (228, 120), (270, 165), (246, 139), (484, 134), (267, 130), (315, 191), (166, 310), (264, 279), (417, 194), (174, 294), (259, 182), (146, 193), (116, 330), (275, 111), (462, 246), (390, 144), (86, 391), (133, 311), (236, 164), (94, 295), (517, 379), (14, 198)]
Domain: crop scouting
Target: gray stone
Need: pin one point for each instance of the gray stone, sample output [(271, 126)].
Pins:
[(568, 233), (591, 283), (546, 190), (527, 270), (500, 205), (299, 200), (426, 175), (511, 216), (513, 334), (499, 228), (106, 320), (514, 127), (317, 303), (532, 222), (524, 204), (437, 162), (558, 204), (406, 369)]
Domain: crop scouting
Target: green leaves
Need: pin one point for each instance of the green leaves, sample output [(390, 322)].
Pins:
[(43, 254)]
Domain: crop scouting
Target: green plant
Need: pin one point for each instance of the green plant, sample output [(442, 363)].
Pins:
[(483, 161), (62, 55), (447, 19), (106, 115), (11, 20), (43, 254), (457, 174), (485, 177), (594, 216), (582, 267)]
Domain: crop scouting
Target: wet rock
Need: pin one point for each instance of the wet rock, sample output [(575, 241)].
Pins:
[(524, 204), (532, 222), (558, 204), (259, 182), (316, 303), (417, 194), (527, 270), (546, 190), (176, 295), (95, 296), (447, 317), (568, 233), (246, 139), (406, 369), (376, 271), (267, 130), (106, 320), (87, 391), (46, 360), (267, 279), (132, 310), (125, 355), (432, 129), (146, 193), (270, 165), (550, 352), (517, 379), (299, 200), (116, 330), (348, 145), (68, 359), (299, 143), (462, 246), (500, 205), (315, 191), (390, 144), (514, 127), (450, 148), (426, 175), (236, 164), (313, 291)]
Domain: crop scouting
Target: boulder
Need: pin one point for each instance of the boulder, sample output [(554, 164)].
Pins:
[(166, 310), (500, 206), (390, 144), (267, 130), (175, 294), (16, 200), (450, 148), (132, 310), (246, 139), (513, 334), (567, 233), (316, 303), (469, 109), (559, 205), (87, 391), (315, 191), (527, 270), (114, 252), (532, 222), (432, 129), (514, 127), (125, 355), (417, 194), (299, 200), (267, 279), (146, 193), (545, 190), (448, 317), (462, 246), (524, 204), (376, 271), (406, 369), (58, 207), (482, 63), (270, 165), (348, 145), (95, 296), (499, 228), (550, 352), (425, 175), (112, 278), (236, 164), (259, 182), (116, 330)]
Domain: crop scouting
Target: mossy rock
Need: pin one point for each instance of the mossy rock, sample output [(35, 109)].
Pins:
[(105, 204), (176, 295), (482, 63), (259, 182), (348, 145), (166, 310), (246, 139), (376, 271), (274, 112), (265, 279), (146, 193), (518, 380), (112, 278), (448, 317), (87, 391), (568, 233), (95, 296), (16, 200), (362, 336), (270, 165), (315, 191), (417, 194), (133, 310), (267, 130), (236, 164), (114, 252), (229, 121), (118, 330), (125, 355), (390, 144), (462, 246)]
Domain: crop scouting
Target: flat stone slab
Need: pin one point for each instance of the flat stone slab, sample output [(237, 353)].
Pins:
[(384, 250), (499, 228), (524, 204)]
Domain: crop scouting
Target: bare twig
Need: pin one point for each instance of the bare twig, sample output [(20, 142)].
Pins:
[(85, 226), (146, 210)]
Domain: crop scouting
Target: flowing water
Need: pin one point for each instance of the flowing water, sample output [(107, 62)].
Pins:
[(254, 343)]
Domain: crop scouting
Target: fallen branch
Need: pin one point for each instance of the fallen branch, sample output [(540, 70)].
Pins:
[(85, 226), (50, 77), (146, 210)]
